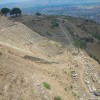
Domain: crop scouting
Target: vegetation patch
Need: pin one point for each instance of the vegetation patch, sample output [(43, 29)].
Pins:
[(70, 30), (74, 94), (54, 23), (14, 11), (46, 85), (91, 29), (38, 14), (57, 98), (5, 11), (79, 43), (49, 33), (92, 56), (97, 36)]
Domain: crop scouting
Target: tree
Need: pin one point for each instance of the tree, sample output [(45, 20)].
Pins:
[(38, 14), (5, 11), (16, 11)]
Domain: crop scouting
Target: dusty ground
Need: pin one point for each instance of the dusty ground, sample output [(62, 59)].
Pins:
[(77, 27), (23, 69)]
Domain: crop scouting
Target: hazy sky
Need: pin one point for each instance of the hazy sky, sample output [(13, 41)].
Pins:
[(8, 1), (49, 1)]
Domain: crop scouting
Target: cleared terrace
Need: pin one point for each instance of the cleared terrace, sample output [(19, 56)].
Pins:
[(17, 34)]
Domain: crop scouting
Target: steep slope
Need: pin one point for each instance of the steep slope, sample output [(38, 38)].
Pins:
[(21, 37), (44, 69), (17, 34), (87, 31), (22, 78)]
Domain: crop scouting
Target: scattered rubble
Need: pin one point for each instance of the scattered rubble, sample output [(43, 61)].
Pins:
[(74, 75)]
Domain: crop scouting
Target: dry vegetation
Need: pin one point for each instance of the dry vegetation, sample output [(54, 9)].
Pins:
[(33, 67), (87, 31)]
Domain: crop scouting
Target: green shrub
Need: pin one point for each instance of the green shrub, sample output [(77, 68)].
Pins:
[(57, 98), (79, 43), (74, 94), (55, 23), (46, 85), (38, 14)]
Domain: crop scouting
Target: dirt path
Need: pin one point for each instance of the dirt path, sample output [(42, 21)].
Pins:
[(65, 32)]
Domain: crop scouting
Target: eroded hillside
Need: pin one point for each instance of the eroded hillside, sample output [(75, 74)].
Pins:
[(33, 67), (65, 28)]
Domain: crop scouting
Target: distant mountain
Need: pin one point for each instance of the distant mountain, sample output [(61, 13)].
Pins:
[(86, 10), (32, 4)]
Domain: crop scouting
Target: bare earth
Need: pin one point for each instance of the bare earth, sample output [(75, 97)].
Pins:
[(28, 59)]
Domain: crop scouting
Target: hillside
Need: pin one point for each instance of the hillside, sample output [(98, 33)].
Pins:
[(53, 27), (38, 61)]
